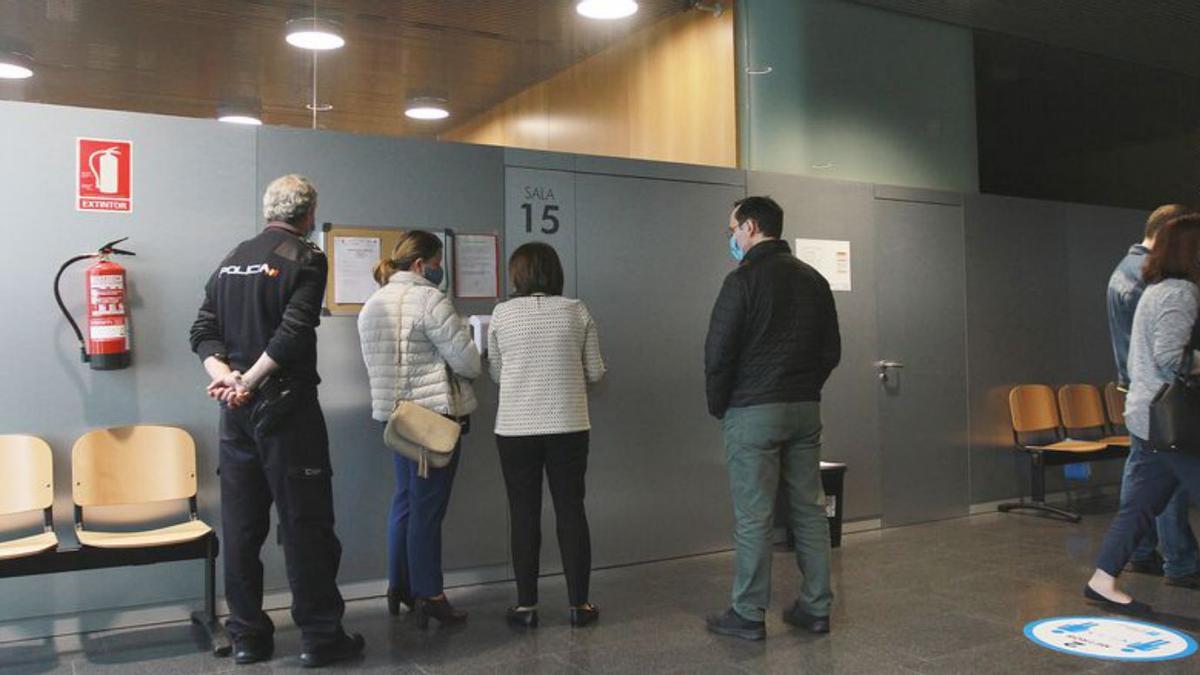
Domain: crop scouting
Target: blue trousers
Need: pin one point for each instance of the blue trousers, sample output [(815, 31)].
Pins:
[(415, 527), (1172, 534), (1153, 482)]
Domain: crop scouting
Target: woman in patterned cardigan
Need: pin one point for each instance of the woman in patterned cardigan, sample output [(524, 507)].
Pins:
[(543, 351)]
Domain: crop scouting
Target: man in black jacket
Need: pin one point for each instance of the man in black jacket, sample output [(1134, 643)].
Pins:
[(772, 342), (256, 335)]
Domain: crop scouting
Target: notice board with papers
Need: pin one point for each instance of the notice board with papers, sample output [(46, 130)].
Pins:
[(352, 253)]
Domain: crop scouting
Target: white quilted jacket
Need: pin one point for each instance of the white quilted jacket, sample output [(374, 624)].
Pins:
[(433, 335)]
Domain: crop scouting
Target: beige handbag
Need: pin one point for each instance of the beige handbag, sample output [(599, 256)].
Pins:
[(418, 433), (421, 435)]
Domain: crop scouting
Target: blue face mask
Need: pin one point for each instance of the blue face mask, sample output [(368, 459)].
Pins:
[(735, 251), (434, 275)]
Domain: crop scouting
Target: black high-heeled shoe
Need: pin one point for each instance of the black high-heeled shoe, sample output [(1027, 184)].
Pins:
[(437, 608), (397, 597), (583, 615), (522, 618)]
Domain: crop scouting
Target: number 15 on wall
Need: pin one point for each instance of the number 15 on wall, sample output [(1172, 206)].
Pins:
[(549, 222)]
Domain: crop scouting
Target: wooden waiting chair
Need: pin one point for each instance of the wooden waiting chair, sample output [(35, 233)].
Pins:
[(27, 484), (135, 465), (143, 465), (1114, 407), (1037, 432), (1084, 417)]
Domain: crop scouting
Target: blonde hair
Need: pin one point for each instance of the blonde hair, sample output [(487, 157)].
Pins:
[(414, 245), (289, 199)]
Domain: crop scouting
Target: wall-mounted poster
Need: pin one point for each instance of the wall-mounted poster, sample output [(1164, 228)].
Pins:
[(476, 266), (829, 257), (354, 265)]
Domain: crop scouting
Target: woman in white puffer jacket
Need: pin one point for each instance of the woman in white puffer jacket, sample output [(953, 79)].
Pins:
[(417, 348)]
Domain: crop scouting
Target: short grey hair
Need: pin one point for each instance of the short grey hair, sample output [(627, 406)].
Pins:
[(289, 199)]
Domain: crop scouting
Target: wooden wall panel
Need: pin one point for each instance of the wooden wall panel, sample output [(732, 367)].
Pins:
[(665, 93)]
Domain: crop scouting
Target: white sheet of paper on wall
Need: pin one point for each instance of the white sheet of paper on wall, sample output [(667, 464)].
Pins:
[(354, 265), (830, 257)]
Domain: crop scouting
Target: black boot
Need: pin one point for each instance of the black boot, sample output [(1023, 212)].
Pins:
[(732, 623), (397, 597), (801, 619), (522, 618), (252, 650), (437, 608), (583, 615), (344, 648)]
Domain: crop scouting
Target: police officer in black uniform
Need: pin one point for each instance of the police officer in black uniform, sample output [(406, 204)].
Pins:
[(255, 333)]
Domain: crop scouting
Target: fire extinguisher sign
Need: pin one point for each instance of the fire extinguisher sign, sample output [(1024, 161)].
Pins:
[(102, 175)]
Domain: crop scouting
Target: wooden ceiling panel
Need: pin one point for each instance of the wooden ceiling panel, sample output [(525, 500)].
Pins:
[(184, 57)]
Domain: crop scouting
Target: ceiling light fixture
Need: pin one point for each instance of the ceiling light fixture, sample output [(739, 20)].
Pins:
[(240, 119), (15, 66), (427, 108), (249, 113), (606, 9), (315, 34)]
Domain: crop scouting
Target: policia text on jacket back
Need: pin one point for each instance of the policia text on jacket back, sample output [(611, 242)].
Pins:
[(255, 334)]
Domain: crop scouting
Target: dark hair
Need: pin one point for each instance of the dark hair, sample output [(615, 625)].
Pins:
[(535, 268), (1176, 252), (762, 210), (1163, 215), (414, 245)]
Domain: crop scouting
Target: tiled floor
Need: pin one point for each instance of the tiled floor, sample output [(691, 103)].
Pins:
[(949, 597)]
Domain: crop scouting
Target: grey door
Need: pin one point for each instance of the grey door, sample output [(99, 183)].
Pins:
[(920, 277), (652, 256)]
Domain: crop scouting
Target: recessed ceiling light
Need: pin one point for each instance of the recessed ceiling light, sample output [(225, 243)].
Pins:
[(315, 34), (15, 66), (240, 119), (607, 9), (427, 108), (246, 112)]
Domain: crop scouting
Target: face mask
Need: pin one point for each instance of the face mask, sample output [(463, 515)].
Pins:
[(434, 275), (735, 250)]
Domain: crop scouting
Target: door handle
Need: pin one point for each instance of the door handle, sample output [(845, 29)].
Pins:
[(884, 366)]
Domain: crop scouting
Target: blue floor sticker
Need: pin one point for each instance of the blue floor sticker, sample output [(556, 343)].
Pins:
[(1110, 639)]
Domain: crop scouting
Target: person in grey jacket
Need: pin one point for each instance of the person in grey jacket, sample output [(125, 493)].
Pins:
[(1180, 559), (1161, 338), (417, 348)]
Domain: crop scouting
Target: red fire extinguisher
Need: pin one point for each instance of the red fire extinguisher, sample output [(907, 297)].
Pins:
[(107, 344)]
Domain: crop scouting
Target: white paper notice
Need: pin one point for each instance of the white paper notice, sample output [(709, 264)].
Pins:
[(476, 266), (354, 261), (829, 257)]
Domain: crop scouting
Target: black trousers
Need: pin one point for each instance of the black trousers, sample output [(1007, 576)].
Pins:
[(290, 467), (1151, 484), (563, 457)]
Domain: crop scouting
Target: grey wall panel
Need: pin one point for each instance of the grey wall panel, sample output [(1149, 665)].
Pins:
[(1016, 330), (381, 182), (659, 170), (1036, 274), (536, 159), (920, 195), (193, 186), (826, 209), (1097, 238), (652, 258)]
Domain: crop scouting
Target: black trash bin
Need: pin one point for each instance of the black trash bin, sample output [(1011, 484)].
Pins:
[(833, 479)]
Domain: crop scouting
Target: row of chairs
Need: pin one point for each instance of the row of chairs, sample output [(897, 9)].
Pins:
[(122, 466), (1080, 424)]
